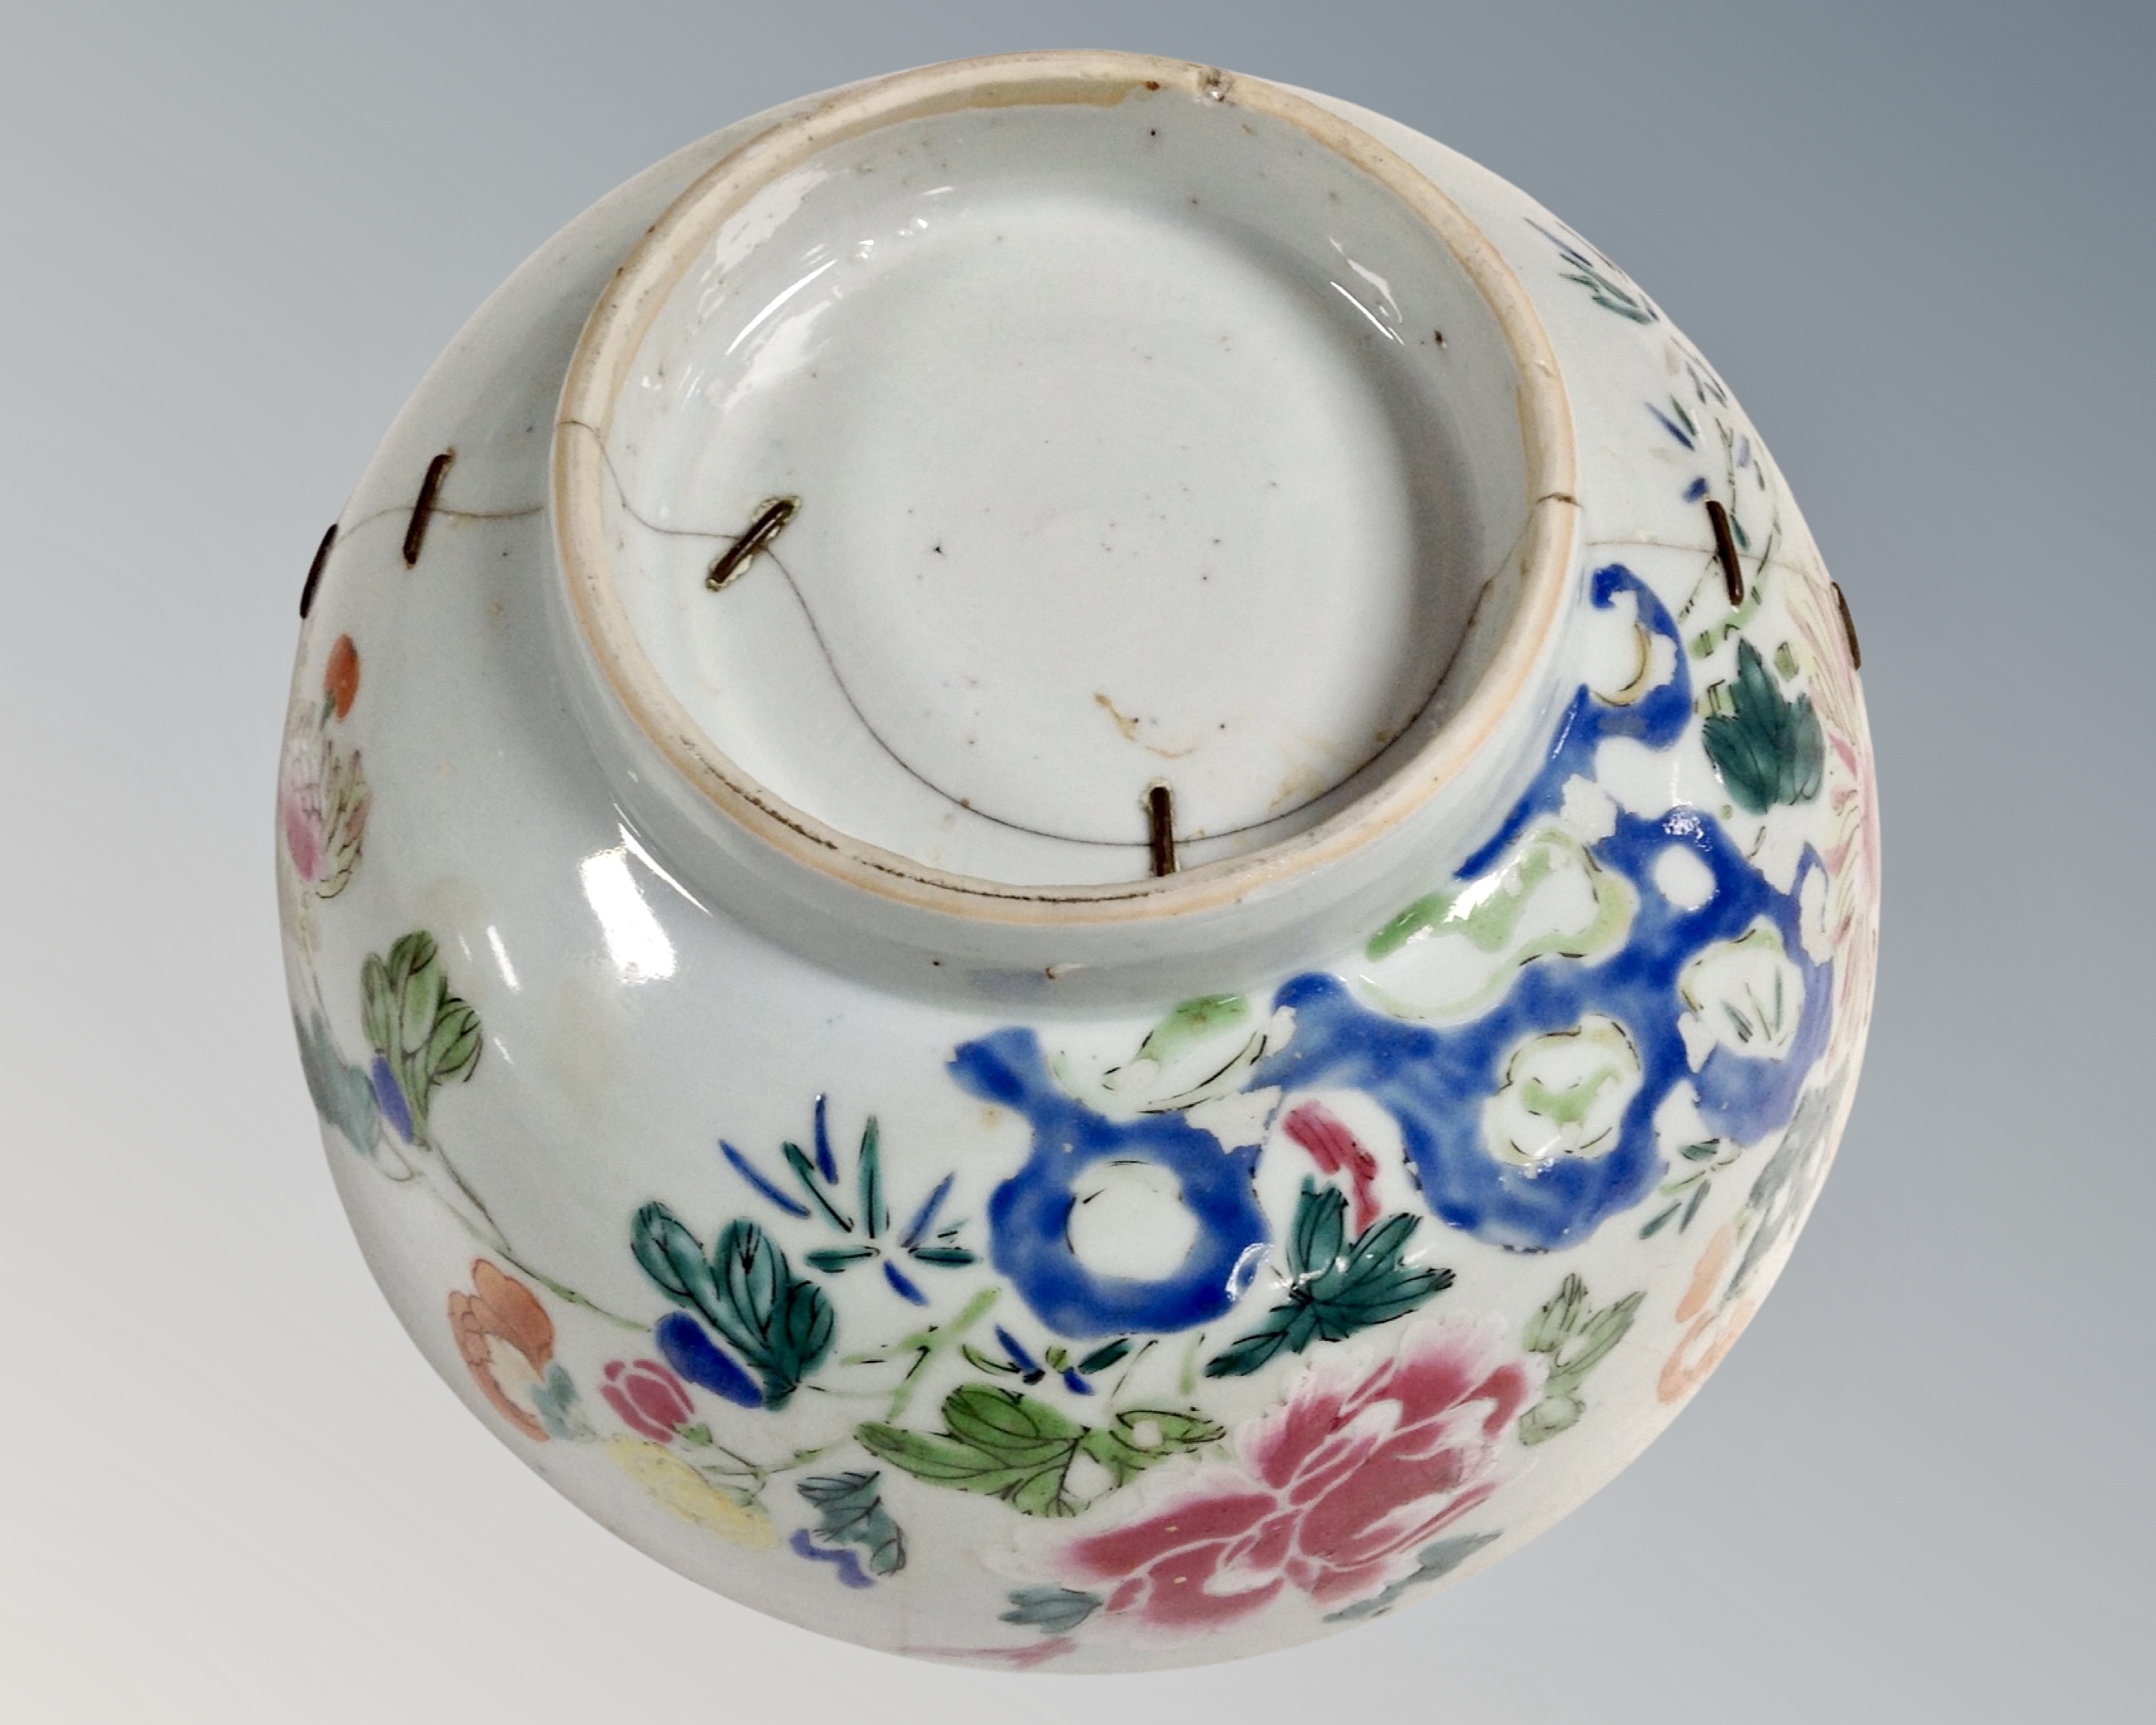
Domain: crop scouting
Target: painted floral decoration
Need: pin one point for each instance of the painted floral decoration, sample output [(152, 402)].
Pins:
[(1333, 1494), (650, 1399), (322, 797), (508, 1341)]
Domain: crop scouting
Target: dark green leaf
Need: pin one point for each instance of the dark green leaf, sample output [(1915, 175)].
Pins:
[(1656, 1223), (851, 1512), (952, 1257), (1768, 749), (1334, 1292), (781, 1325), (833, 1260), (1249, 1353), (1319, 1230), (797, 1159), (1053, 1610), (870, 1172), (673, 1258), (1101, 1358)]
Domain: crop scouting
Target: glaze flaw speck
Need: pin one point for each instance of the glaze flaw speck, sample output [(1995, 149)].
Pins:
[(980, 1314)]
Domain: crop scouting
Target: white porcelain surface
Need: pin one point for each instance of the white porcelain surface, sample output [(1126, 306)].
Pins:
[(1562, 1034)]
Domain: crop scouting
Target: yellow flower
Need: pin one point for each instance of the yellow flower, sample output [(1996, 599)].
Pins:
[(691, 1497)]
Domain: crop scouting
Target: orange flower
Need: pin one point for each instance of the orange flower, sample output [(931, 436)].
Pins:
[(506, 1340), (1714, 1326), (341, 676)]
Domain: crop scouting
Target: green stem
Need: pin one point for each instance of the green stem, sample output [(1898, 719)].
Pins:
[(494, 1243)]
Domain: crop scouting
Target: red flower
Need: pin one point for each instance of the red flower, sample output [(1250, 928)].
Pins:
[(506, 1340), (650, 1399), (341, 676), (1334, 1493), (1336, 1150)]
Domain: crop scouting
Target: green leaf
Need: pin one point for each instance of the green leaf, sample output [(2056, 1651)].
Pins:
[(377, 1005), (1558, 1317), (1575, 1341), (1101, 1358), (1000, 1444), (851, 1512), (832, 1261), (1549, 1416), (1319, 1231), (797, 1159), (1053, 1610), (950, 1257), (452, 1048), (1336, 1289), (1431, 1562), (428, 1035), (781, 1325), (874, 1216), (1768, 749), (1136, 1440), (1190, 1023), (1013, 1428), (673, 1257)]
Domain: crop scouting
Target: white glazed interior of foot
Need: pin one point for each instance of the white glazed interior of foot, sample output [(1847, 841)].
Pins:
[(1126, 450)]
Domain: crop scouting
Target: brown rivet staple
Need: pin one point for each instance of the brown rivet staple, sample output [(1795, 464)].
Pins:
[(770, 521), (1848, 627), (1160, 823), (422, 505), (1725, 552), (314, 572)]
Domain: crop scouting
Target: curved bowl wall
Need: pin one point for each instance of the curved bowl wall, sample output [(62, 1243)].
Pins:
[(976, 1324)]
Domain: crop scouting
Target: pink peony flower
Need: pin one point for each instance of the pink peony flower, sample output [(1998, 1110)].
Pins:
[(1332, 1494), (322, 804)]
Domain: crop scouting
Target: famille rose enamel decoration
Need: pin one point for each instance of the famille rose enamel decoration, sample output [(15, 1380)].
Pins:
[(1078, 864)]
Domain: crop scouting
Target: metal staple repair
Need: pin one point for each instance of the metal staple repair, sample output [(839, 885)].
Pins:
[(314, 572), (1848, 627), (422, 505), (769, 523), (1160, 823), (1725, 552)]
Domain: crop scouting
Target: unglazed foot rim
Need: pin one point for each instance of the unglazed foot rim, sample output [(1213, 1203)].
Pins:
[(656, 266)]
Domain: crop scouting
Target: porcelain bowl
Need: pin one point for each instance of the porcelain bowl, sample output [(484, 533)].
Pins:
[(1079, 863)]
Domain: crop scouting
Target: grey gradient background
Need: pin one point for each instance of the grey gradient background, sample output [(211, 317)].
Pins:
[(1918, 240)]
